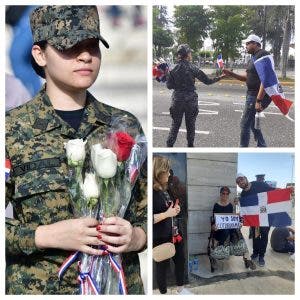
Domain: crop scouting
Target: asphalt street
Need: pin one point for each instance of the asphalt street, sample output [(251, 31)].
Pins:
[(218, 122)]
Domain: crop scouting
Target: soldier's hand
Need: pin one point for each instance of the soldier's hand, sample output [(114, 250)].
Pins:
[(120, 236), (73, 235)]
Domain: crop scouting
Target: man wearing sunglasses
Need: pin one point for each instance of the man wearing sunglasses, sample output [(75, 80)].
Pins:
[(256, 99)]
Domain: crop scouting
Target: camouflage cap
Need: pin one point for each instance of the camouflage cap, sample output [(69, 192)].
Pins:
[(64, 26)]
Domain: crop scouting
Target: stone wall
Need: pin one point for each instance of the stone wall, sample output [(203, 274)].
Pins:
[(206, 173)]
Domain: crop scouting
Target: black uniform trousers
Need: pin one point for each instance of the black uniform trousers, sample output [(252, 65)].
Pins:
[(184, 103)]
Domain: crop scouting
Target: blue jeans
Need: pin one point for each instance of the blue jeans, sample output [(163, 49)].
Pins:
[(248, 119)]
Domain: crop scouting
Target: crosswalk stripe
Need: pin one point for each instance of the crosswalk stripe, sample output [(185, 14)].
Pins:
[(181, 130)]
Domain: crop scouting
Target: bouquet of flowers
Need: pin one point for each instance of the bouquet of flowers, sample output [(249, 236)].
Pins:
[(113, 166)]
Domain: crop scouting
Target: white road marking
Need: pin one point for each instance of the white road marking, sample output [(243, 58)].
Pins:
[(200, 102), (180, 130), (201, 112)]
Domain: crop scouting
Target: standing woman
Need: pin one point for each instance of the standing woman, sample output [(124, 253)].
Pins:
[(184, 97), (163, 212)]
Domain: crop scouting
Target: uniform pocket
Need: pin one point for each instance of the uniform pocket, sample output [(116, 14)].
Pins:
[(40, 181)]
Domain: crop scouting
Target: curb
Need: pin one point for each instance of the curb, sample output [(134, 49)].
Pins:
[(234, 81)]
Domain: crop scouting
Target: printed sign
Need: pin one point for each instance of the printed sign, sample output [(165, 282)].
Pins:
[(227, 221)]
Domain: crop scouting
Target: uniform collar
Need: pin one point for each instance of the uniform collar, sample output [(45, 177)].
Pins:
[(44, 118)]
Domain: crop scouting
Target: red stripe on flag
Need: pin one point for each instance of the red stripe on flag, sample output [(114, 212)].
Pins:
[(283, 104), (279, 195), (251, 220)]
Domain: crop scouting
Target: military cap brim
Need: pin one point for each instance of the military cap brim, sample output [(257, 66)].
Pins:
[(61, 45), (65, 26)]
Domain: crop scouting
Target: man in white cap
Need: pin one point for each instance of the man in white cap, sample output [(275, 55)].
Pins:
[(257, 99), (258, 234)]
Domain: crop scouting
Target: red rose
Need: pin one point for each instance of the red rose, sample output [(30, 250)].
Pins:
[(121, 143)]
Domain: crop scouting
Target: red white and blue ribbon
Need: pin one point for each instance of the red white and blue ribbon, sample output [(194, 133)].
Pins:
[(119, 270), (87, 284), (67, 263)]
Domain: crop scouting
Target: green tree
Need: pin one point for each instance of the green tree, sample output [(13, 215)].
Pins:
[(229, 28), (288, 28), (192, 22), (162, 35), (269, 22)]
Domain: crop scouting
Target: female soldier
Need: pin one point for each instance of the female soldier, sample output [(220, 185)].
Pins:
[(66, 53)]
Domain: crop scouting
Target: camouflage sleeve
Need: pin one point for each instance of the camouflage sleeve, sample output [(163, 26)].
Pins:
[(20, 238)]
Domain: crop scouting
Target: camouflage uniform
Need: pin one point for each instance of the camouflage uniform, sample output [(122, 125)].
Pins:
[(37, 187), (184, 98)]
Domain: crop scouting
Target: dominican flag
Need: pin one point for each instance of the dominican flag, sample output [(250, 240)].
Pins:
[(267, 209), (160, 72), (266, 72), (220, 61), (7, 168)]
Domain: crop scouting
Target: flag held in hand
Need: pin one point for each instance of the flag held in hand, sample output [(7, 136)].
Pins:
[(267, 75), (220, 61), (267, 209)]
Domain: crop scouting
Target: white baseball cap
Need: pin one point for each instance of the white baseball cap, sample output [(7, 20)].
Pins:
[(239, 175), (253, 38)]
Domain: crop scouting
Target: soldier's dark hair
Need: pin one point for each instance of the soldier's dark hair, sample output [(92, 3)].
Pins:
[(38, 69), (182, 56)]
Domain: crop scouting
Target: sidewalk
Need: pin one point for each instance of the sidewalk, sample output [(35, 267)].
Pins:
[(231, 277)]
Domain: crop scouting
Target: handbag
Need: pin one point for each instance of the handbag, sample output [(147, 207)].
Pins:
[(163, 251)]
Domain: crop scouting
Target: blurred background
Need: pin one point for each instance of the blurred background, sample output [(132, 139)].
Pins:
[(122, 81)]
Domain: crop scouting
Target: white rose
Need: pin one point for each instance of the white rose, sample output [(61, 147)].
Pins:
[(90, 186), (75, 150), (104, 161)]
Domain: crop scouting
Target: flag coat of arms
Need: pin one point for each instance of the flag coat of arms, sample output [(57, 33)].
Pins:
[(267, 209), (267, 75), (220, 61)]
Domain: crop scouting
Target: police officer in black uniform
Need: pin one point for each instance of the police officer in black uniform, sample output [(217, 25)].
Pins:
[(184, 98)]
